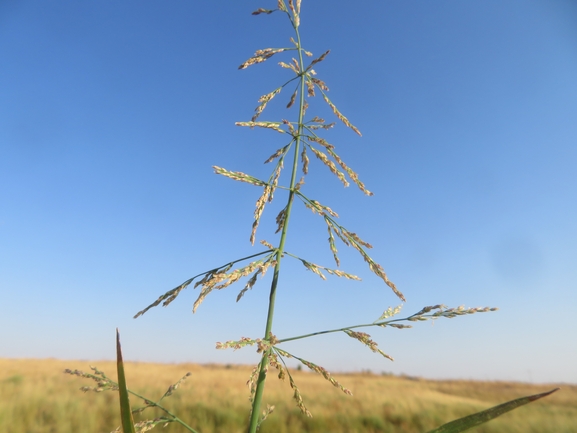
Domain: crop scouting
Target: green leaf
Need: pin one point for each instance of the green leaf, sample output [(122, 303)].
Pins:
[(468, 422), (125, 412)]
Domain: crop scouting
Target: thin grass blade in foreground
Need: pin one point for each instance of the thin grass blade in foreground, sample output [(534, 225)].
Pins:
[(470, 421), (125, 411)]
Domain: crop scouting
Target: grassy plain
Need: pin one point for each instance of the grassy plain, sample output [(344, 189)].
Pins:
[(36, 397)]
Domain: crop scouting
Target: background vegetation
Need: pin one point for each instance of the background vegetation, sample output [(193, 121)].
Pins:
[(35, 397)]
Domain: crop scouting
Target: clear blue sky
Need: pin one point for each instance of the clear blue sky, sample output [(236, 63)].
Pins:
[(113, 112)]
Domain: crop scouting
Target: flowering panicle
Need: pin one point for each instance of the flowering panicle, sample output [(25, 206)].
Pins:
[(303, 140)]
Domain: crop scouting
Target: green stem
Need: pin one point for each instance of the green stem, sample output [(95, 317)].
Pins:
[(330, 331), (255, 413)]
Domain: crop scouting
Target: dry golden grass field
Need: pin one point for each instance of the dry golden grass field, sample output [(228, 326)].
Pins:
[(36, 397)]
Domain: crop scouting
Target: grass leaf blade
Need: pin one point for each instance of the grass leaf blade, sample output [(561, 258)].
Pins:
[(470, 421), (125, 412)]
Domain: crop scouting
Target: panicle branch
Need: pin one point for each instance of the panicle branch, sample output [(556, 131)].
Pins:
[(330, 150), (261, 56), (449, 313), (103, 382), (340, 116), (239, 176), (171, 295), (317, 269), (263, 101), (365, 338), (316, 368), (267, 125), (221, 279)]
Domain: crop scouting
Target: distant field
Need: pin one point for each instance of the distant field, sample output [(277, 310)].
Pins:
[(36, 397)]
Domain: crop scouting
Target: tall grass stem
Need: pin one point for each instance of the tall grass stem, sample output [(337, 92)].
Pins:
[(255, 413)]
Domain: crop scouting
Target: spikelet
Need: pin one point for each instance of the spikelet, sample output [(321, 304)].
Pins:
[(267, 196), (317, 208), (281, 219), (222, 278), (251, 282), (321, 84), (395, 325), (354, 237), (259, 208), (284, 372), (378, 271), (324, 209), (305, 160), (298, 397), (252, 380), (239, 176), (167, 298), (310, 88), (236, 344), (175, 386), (325, 160), (337, 230), (324, 373), (300, 183), (314, 268), (265, 414), (320, 141), (279, 152), (261, 56), (319, 59), (273, 180), (264, 99), (293, 98), (262, 11), (281, 6), (365, 338), (333, 246), (295, 11), (317, 270), (320, 125), (389, 312), (268, 125), (289, 66), (291, 129), (338, 273), (352, 175), (296, 65), (340, 115), (267, 244)]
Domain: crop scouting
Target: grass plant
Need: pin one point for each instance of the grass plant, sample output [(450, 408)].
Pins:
[(299, 139)]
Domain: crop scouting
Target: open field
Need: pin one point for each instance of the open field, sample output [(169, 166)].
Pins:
[(36, 397)]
